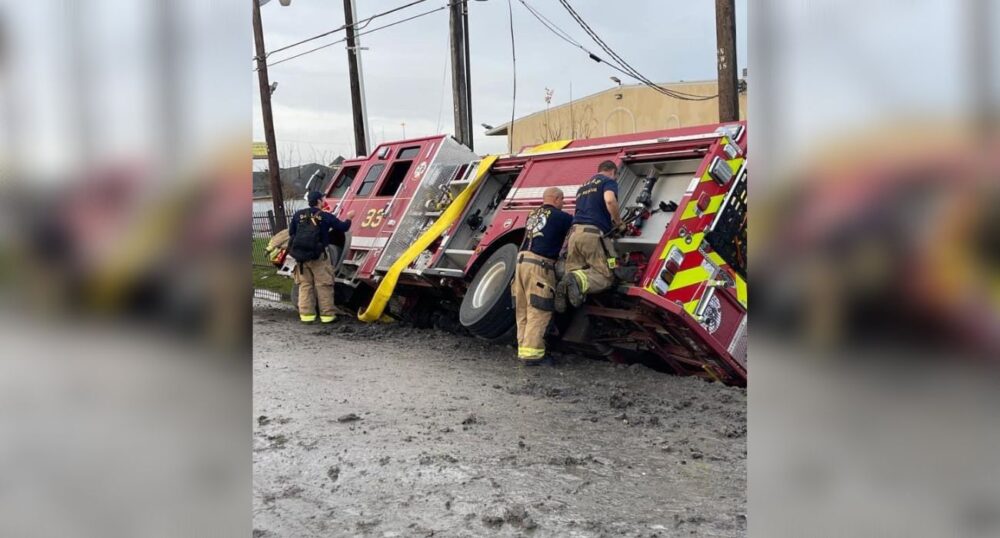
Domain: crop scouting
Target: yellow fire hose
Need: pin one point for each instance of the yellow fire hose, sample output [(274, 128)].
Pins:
[(388, 283)]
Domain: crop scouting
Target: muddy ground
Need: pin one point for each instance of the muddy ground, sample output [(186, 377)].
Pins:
[(387, 430)]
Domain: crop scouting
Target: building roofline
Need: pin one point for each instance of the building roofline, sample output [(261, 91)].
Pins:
[(501, 130)]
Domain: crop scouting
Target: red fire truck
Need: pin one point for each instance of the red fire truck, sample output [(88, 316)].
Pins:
[(437, 228)]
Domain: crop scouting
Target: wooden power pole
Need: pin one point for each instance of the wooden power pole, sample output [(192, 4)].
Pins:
[(725, 36), (460, 80), (357, 83), (981, 72), (277, 197)]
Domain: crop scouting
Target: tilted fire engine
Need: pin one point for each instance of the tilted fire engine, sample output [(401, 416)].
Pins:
[(437, 228)]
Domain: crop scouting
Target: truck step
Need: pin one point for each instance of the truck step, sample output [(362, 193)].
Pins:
[(457, 253), (444, 271)]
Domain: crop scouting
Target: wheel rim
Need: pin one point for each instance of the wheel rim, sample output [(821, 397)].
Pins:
[(492, 283)]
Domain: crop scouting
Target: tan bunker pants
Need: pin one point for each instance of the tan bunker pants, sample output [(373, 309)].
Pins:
[(587, 259), (534, 292), (315, 280)]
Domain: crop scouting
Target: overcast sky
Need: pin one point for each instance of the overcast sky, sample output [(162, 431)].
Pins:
[(826, 66), (406, 66)]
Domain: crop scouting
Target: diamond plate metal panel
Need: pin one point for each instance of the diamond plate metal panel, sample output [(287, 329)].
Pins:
[(449, 158)]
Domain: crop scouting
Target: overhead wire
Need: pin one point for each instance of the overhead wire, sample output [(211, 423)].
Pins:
[(562, 34), (444, 82), (624, 65), (359, 34), (635, 73), (359, 25), (565, 36), (559, 32)]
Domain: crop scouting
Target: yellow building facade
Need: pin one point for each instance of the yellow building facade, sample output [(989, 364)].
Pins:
[(618, 110)]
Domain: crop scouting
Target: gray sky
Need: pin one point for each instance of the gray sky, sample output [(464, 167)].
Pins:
[(831, 67), (405, 67)]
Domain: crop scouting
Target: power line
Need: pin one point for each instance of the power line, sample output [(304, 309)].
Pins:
[(559, 32), (631, 71), (384, 26), (562, 34), (358, 25), (444, 80)]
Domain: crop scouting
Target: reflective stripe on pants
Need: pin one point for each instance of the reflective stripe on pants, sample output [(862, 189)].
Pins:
[(530, 353), (533, 286)]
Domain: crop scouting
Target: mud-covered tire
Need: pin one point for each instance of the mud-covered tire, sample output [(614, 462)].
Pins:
[(487, 310)]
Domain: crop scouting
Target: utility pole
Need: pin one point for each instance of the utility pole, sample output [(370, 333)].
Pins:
[(725, 36), (167, 43), (468, 70), (277, 197), (357, 83), (82, 83), (460, 83), (981, 71)]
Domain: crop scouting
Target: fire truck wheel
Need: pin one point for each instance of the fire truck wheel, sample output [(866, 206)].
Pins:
[(486, 309)]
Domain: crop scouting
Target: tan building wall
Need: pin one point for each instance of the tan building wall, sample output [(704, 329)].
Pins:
[(619, 110)]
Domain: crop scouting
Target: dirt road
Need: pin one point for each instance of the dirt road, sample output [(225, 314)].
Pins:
[(388, 430)]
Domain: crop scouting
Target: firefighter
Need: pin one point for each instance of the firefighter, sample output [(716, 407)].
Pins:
[(535, 277), (308, 237), (590, 256)]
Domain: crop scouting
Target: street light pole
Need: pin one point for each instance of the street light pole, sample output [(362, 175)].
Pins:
[(277, 196)]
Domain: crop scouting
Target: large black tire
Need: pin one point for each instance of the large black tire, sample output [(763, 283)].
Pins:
[(487, 310)]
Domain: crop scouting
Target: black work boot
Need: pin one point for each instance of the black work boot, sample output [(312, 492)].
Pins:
[(544, 361)]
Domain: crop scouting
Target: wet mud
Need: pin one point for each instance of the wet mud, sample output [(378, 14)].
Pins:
[(388, 430)]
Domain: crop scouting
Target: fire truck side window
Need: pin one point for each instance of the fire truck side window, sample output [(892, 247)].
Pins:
[(397, 173), (370, 179), (343, 182), (408, 153)]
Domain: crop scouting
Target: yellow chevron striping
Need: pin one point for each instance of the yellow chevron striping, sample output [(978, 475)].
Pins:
[(741, 290), (683, 246), (689, 277), (734, 165), (714, 204)]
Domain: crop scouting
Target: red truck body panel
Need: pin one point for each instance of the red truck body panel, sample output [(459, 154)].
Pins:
[(687, 303)]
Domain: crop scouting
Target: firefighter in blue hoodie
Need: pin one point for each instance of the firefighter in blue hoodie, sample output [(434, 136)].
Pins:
[(590, 255), (308, 237)]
